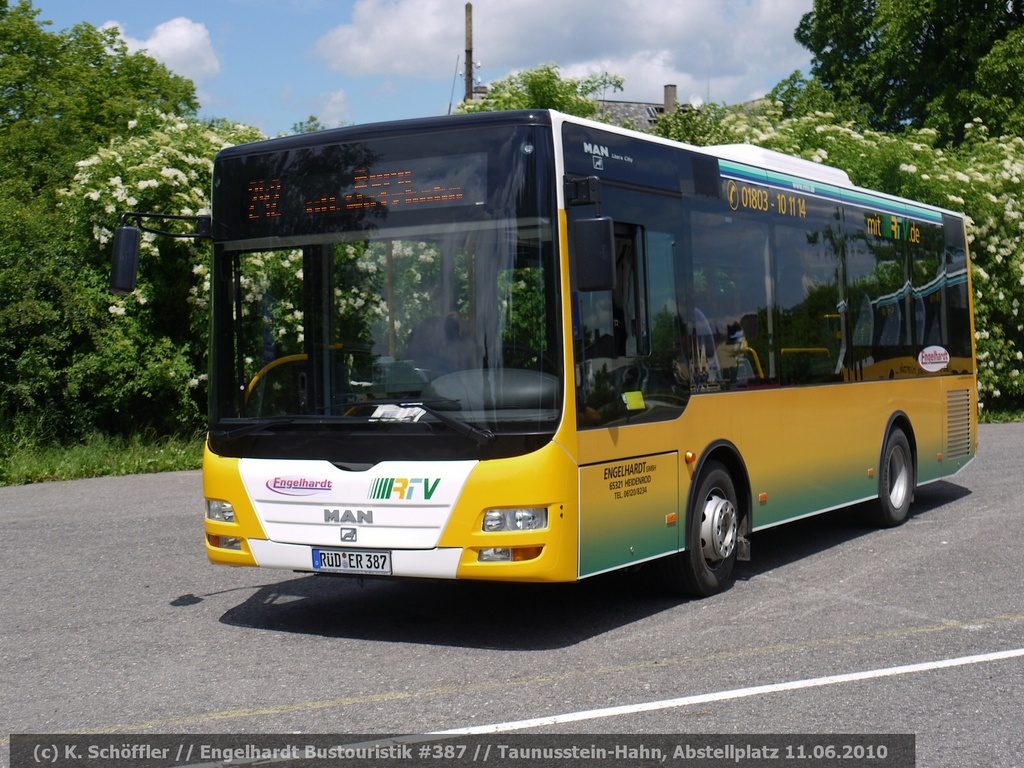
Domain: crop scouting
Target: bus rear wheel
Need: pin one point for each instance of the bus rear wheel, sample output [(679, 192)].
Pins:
[(705, 567), (895, 480)]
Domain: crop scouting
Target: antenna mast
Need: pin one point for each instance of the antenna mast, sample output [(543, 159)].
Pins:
[(469, 51)]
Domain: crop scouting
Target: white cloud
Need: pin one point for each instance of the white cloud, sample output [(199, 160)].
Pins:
[(182, 45), (406, 38), (728, 50), (334, 109)]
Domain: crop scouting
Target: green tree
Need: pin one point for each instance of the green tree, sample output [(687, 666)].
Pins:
[(144, 361), (998, 99), (311, 124), (840, 34), (700, 127), (545, 88), (799, 95), (63, 95), (913, 64)]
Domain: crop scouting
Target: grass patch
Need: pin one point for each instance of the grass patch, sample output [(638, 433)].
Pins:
[(1001, 417), (24, 461)]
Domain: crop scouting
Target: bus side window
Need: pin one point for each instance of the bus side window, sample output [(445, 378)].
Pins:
[(728, 340), (629, 322), (614, 337), (611, 319), (629, 342), (881, 305), (809, 305), (669, 366)]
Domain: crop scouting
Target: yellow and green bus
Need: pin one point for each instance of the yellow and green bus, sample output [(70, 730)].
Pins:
[(523, 346)]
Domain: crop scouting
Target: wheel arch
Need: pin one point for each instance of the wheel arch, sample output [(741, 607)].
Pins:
[(727, 454), (900, 420)]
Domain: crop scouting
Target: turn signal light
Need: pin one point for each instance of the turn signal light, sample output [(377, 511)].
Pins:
[(520, 554), (509, 554)]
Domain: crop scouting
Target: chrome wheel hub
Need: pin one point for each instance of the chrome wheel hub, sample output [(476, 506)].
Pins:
[(718, 528)]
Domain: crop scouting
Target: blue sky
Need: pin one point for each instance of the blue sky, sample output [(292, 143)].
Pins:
[(273, 63)]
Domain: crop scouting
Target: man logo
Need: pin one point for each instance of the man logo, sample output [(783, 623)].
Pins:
[(597, 153), (348, 535), (350, 516)]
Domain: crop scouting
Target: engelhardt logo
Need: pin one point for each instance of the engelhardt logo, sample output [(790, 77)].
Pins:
[(298, 486), (933, 359)]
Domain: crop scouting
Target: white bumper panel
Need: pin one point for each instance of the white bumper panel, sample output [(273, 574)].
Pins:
[(427, 564), (394, 505)]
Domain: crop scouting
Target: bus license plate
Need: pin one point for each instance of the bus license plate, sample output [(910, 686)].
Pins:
[(376, 562)]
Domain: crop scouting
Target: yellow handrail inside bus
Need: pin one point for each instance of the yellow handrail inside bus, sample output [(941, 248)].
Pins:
[(269, 367)]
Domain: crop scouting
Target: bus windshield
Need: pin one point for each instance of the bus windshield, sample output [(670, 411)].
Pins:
[(384, 290)]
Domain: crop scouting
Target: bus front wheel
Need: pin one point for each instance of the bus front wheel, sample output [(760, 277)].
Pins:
[(895, 480), (705, 566)]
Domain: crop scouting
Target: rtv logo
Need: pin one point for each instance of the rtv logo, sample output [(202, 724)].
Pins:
[(405, 488)]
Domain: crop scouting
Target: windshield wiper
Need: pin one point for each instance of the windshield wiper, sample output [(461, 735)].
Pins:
[(250, 429), (481, 436)]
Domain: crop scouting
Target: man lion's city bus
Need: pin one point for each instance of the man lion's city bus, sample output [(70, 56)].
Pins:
[(522, 346)]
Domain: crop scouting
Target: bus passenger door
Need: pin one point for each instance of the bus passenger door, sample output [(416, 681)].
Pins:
[(626, 350), (612, 338)]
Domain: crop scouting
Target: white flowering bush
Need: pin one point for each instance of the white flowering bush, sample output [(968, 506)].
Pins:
[(983, 178), (148, 360)]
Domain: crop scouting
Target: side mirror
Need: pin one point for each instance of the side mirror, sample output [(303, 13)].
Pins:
[(124, 268), (595, 254)]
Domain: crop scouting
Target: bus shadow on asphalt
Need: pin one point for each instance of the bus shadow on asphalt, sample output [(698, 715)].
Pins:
[(501, 616), (782, 545), (468, 614)]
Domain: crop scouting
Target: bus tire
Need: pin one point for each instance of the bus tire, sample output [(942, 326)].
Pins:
[(705, 567), (895, 480)]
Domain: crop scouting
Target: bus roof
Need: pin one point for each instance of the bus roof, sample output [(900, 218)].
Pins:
[(745, 154), (362, 131), (771, 160)]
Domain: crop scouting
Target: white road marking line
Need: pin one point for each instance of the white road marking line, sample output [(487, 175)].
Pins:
[(736, 693)]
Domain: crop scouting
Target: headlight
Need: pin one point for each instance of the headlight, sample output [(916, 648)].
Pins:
[(220, 510), (526, 519), (495, 555)]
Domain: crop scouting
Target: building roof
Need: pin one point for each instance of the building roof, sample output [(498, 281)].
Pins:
[(631, 114), (640, 115)]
